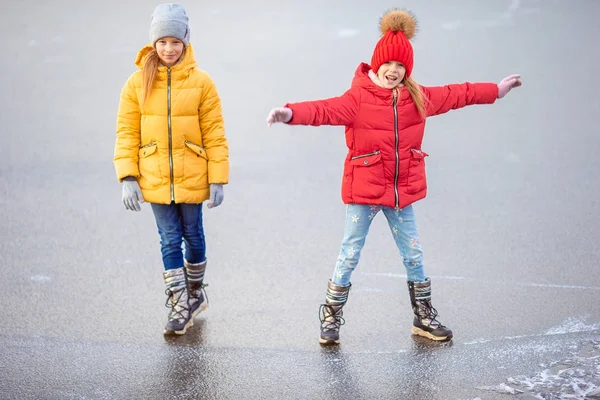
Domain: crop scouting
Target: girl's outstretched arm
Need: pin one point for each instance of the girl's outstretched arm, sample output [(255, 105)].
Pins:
[(442, 99), (340, 110)]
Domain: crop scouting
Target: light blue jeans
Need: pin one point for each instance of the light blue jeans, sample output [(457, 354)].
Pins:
[(404, 230)]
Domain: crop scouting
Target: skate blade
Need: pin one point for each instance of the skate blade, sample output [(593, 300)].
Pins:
[(420, 332), (328, 342), (203, 307), (189, 324)]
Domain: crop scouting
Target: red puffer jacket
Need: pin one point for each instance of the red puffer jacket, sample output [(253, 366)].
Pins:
[(385, 164)]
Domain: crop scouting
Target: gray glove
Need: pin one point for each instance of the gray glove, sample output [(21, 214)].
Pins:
[(216, 195), (132, 194)]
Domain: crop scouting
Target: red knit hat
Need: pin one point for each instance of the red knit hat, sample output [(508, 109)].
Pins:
[(397, 28)]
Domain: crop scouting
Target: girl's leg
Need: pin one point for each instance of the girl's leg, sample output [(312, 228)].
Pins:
[(358, 221), (404, 229), (193, 232), (195, 255), (168, 222), (171, 234)]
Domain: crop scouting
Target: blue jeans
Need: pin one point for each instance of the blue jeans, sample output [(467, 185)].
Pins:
[(404, 230), (178, 223)]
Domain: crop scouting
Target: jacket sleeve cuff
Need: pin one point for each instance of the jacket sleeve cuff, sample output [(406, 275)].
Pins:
[(126, 168), (488, 93), (218, 172)]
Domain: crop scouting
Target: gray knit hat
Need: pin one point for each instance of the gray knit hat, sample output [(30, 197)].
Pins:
[(169, 19)]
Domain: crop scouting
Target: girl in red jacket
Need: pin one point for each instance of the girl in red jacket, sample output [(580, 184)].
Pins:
[(384, 114)]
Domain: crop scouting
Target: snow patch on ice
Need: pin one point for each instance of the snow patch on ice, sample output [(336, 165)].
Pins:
[(573, 325), (40, 278), (576, 377), (344, 33), (478, 341), (501, 388)]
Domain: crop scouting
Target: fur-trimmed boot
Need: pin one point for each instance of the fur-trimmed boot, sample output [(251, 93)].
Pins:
[(330, 313), (178, 301), (196, 292), (425, 322)]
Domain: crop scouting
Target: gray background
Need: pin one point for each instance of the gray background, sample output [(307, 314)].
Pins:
[(509, 226)]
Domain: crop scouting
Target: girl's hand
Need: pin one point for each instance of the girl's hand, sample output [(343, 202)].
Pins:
[(507, 84), (132, 194), (216, 195), (279, 115)]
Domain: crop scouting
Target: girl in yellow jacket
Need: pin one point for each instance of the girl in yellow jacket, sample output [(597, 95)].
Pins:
[(171, 151)]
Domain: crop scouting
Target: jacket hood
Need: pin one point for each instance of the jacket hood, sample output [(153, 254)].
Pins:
[(188, 61)]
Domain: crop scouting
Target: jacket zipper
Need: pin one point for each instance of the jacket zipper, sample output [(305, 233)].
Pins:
[(366, 155), (395, 102), (170, 133)]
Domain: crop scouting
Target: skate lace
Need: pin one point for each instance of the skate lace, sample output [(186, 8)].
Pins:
[(327, 324), (430, 314), (177, 309)]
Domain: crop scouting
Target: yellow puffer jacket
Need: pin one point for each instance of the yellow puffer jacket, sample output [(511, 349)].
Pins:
[(175, 144)]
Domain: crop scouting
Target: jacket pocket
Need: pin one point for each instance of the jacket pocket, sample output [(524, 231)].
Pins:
[(149, 165), (195, 166), (368, 176), (416, 178)]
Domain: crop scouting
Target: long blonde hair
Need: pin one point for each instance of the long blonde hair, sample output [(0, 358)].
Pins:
[(417, 95), (149, 72)]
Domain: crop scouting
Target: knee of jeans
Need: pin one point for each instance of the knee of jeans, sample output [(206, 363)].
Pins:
[(170, 239), (192, 229), (193, 236)]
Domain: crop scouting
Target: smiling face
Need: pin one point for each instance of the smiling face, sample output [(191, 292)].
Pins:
[(169, 50), (391, 74)]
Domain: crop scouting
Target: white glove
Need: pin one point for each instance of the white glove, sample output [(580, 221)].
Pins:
[(279, 115), (508, 83)]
